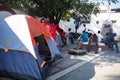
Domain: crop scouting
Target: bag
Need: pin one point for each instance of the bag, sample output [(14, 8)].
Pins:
[(99, 49)]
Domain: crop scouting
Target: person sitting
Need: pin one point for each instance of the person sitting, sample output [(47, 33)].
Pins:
[(93, 41), (83, 38), (110, 40)]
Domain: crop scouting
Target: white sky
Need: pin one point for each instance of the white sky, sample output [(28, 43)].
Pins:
[(117, 5)]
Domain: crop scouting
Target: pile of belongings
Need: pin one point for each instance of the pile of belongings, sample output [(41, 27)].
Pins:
[(76, 52)]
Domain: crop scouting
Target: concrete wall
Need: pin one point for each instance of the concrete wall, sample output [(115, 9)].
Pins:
[(101, 18)]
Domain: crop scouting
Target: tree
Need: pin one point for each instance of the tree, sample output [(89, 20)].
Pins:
[(56, 10), (63, 9)]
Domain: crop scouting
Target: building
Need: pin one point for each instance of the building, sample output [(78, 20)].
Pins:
[(111, 17)]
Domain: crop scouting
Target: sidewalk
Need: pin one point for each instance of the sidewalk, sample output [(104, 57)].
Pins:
[(69, 62)]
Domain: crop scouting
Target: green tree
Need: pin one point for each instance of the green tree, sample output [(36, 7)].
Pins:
[(56, 10)]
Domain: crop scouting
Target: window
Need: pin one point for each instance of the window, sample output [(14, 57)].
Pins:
[(113, 21)]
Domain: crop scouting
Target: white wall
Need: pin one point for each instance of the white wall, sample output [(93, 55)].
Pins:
[(93, 25)]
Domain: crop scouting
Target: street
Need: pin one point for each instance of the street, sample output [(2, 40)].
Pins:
[(104, 67)]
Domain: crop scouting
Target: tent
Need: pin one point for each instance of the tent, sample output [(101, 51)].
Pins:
[(5, 8), (57, 34), (19, 55), (48, 32), (5, 12)]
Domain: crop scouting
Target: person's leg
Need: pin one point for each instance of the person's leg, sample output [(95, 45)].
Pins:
[(80, 45), (116, 45), (96, 51), (88, 47), (70, 39), (111, 46)]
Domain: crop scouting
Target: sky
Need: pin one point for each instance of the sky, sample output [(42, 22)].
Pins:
[(117, 5), (112, 6)]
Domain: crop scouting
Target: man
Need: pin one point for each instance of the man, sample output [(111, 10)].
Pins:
[(83, 38), (70, 36), (110, 41)]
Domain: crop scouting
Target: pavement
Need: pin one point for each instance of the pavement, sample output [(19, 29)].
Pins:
[(68, 62), (105, 67)]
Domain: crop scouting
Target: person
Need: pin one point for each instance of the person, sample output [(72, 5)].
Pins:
[(93, 41), (83, 38), (100, 37), (110, 40), (85, 28), (70, 36)]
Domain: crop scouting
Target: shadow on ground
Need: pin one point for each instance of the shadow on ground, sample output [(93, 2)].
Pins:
[(85, 72)]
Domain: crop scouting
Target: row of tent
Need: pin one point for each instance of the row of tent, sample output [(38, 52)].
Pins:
[(26, 46)]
